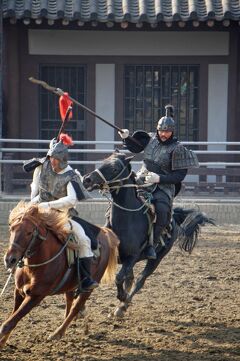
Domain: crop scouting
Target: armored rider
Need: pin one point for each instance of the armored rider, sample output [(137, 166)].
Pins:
[(57, 186), (165, 165)]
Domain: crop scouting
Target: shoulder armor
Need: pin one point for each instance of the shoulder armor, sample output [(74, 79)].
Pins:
[(183, 158), (138, 141), (76, 181)]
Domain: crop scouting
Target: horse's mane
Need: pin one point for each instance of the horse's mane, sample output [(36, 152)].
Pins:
[(117, 154), (54, 221)]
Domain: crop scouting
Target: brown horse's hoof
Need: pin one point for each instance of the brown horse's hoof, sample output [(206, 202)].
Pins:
[(3, 340), (55, 336), (81, 314)]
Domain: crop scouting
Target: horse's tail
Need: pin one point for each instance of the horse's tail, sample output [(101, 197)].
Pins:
[(113, 242), (190, 222)]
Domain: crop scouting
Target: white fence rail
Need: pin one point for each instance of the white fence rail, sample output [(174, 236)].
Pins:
[(4, 150), (13, 155)]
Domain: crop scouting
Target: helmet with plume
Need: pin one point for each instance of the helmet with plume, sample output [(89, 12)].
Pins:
[(59, 149), (167, 123)]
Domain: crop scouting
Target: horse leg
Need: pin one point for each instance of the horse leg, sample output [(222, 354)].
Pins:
[(128, 285), (69, 297), (125, 271), (129, 281), (148, 270), (150, 267), (24, 308), (18, 299), (77, 306)]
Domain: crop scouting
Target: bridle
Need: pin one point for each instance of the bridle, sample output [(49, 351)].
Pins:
[(36, 235), (116, 184), (115, 180), (29, 251)]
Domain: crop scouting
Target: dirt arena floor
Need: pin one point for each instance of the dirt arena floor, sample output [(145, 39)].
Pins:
[(188, 310)]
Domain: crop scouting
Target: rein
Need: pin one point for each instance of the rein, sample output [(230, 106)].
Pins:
[(109, 187), (28, 252), (145, 204), (22, 264)]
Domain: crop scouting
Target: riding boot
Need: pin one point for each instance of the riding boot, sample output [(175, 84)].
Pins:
[(158, 235), (158, 229), (86, 284)]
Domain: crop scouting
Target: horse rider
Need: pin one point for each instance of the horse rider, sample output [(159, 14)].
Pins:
[(57, 186), (165, 165)]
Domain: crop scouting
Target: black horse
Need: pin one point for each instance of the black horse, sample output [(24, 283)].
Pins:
[(129, 219)]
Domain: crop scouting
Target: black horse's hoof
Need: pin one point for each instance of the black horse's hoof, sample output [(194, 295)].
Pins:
[(150, 253)]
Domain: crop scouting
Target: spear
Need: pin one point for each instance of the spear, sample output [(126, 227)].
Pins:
[(69, 109), (7, 282), (60, 92)]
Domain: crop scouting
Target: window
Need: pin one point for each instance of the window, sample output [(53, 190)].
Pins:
[(71, 79), (148, 88)]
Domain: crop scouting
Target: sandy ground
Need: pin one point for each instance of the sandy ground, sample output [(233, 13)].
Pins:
[(188, 310)]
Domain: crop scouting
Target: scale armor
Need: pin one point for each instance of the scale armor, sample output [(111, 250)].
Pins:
[(53, 186), (183, 158)]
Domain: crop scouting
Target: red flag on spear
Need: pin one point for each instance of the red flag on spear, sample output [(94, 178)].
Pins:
[(64, 104), (65, 108)]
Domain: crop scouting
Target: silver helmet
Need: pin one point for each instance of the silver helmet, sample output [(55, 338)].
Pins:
[(167, 122), (59, 151)]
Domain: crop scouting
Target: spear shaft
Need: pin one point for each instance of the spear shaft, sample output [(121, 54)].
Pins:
[(60, 92), (7, 282)]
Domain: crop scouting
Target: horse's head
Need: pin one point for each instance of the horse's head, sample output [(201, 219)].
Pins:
[(23, 233), (114, 168)]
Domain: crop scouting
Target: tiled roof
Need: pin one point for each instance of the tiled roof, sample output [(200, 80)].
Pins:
[(133, 11)]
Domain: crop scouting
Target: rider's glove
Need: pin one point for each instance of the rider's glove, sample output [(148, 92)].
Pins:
[(44, 205), (124, 134), (152, 178)]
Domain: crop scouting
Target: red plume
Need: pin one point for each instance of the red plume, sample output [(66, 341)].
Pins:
[(66, 139), (64, 103)]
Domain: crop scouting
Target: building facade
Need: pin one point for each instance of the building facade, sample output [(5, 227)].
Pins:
[(125, 60)]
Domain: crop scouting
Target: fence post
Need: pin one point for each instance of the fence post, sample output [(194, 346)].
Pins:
[(7, 174)]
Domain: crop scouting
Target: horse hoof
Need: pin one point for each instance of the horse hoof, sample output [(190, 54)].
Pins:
[(54, 336), (3, 341), (81, 314), (110, 315), (119, 313), (3, 338)]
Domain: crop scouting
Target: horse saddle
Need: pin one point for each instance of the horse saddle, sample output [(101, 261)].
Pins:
[(72, 251)]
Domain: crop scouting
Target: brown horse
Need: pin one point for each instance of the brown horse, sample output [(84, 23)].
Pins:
[(37, 253)]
